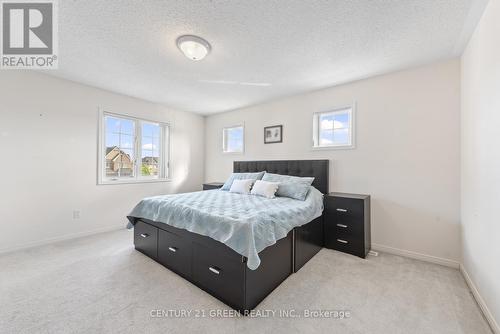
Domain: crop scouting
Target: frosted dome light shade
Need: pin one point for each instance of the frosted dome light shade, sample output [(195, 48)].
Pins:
[(193, 47)]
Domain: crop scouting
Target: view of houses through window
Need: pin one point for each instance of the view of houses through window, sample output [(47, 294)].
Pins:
[(134, 149), (120, 147), (150, 157)]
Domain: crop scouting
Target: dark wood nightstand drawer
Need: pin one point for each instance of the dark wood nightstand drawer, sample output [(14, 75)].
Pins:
[(345, 243), (345, 228), (174, 252), (146, 239), (219, 274), (346, 209), (213, 185)]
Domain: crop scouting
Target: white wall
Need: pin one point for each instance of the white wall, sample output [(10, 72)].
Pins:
[(407, 155), (481, 158), (48, 145)]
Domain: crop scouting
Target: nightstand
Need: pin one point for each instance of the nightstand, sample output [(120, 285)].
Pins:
[(212, 185), (347, 223)]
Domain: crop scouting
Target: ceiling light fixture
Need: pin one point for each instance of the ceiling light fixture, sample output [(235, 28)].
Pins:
[(193, 47)]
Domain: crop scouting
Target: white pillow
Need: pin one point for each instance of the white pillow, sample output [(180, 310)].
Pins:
[(265, 188), (241, 186)]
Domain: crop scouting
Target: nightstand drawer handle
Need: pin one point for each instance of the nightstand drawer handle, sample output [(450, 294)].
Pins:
[(342, 241), (342, 225), (144, 235), (172, 249), (341, 210), (214, 270)]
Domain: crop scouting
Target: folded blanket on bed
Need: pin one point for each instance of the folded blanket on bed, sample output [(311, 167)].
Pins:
[(245, 223)]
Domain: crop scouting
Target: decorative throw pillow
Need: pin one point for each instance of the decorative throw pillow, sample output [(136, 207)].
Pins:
[(287, 178), (241, 176), (241, 186), (264, 188), (290, 186), (295, 190)]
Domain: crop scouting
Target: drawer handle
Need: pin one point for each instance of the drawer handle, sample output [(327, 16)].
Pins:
[(172, 249), (342, 241), (214, 270), (342, 225), (341, 210), (144, 235)]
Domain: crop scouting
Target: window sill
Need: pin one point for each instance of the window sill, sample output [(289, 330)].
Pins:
[(333, 148), (233, 153), (105, 182)]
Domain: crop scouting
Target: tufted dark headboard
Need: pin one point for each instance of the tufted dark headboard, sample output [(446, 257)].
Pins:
[(316, 168)]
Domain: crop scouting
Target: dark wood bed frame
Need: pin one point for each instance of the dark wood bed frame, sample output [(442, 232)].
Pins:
[(221, 271)]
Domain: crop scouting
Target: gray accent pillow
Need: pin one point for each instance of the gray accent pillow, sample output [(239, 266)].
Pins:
[(241, 176), (290, 186)]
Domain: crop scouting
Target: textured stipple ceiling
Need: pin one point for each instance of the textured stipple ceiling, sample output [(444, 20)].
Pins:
[(295, 46)]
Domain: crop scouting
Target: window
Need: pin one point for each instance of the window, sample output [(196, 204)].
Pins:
[(150, 149), (334, 129), (132, 150), (233, 139)]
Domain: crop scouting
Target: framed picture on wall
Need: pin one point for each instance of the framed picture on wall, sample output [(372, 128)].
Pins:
[(273, 134)]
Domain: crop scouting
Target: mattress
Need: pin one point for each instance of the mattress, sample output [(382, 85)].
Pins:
[(245, 223)]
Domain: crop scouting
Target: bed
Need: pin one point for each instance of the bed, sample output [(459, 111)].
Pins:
[(193, 251)]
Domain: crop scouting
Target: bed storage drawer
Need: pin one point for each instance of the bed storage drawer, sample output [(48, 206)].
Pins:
[(174, 252), (146, 239), (219, 274)]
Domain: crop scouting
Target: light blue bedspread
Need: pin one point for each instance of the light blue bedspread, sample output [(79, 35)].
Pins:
[(245, 223)]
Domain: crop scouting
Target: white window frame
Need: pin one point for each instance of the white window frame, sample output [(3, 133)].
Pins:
[(164, 161), (224, 139), (352, 129)]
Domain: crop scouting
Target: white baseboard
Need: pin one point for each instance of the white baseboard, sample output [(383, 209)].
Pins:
[(480, 301), (415, 255), (61, 238)]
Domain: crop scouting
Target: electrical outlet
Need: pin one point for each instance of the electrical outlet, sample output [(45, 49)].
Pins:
[(76, 214), (373, 253)]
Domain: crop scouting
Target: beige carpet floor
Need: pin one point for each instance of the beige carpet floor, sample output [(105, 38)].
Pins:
[(100, 284)]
